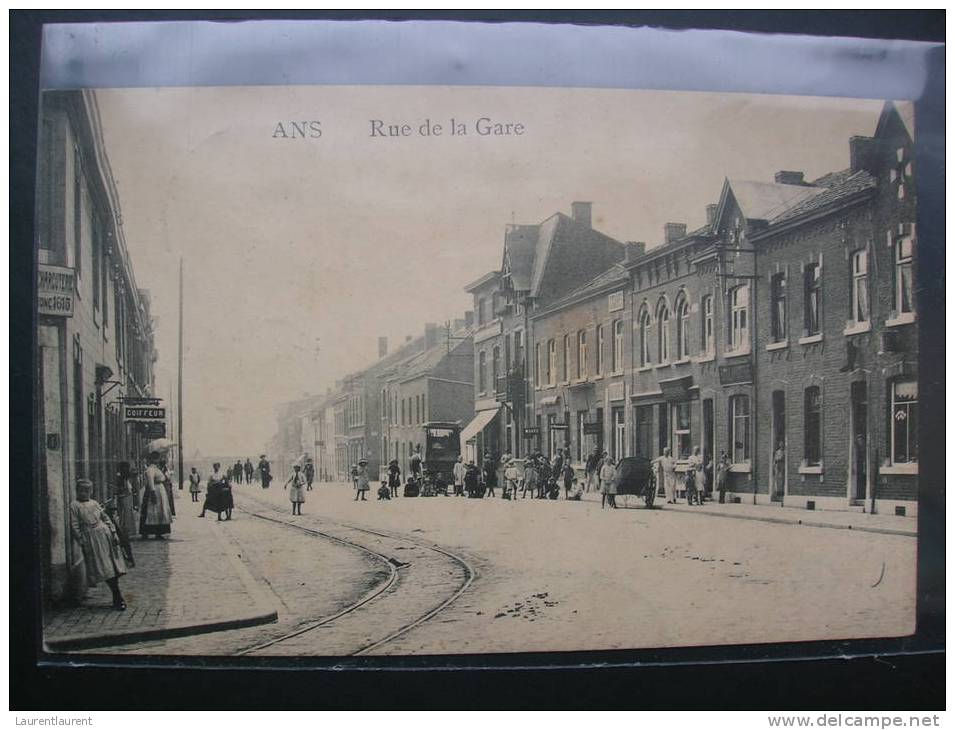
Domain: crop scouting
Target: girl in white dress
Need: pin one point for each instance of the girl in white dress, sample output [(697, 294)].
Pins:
[(92, 530), (296, 492)]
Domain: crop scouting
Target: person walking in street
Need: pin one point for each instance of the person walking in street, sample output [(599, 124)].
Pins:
[(354, 475), (249, 470), (361, 480), (567, 474), (459, 471), (722, 475), (297, 484), (126, 500), (608, 489), (557, 467), (666, 474), (414, 464), (194, 480), (309, 474), (472, 480), (90, 527), (544, 476), (237, 472), (779, 469), (591, 468), (265, 472), (155, 513), (694, 477), (394, 477), (490, 474)]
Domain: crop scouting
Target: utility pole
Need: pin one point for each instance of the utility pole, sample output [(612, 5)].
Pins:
[(179, 399)]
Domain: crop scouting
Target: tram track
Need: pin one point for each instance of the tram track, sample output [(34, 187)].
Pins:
[(421, 583)]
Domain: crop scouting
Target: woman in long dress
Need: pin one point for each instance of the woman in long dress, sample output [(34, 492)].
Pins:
[(90, 527), (126, 500), (218, 494), (608, 490), (361, 480), (297, 487), (155, 512)]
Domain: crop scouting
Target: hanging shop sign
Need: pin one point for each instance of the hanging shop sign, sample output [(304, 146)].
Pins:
[(558, 426), (532, 432), (54, 290), (143, 414), (676, 389)]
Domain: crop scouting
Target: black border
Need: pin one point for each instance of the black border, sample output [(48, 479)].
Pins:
[(749, 681)]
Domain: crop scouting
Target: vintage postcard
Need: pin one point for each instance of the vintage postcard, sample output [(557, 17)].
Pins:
[(418, 370)]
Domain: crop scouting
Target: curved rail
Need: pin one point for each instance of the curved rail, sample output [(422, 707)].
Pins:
[(377, 592)]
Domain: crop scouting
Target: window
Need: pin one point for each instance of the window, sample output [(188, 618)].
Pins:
[(551, 361), (777, 307), (565, 360), (480, 311), (811, 299), (905, 422), (682, 438), (582, 354), (598, 370), (495, 367), (616, 351), (644, 337), (519, 349), (663, 333), (482, 372), (739, 429), (860, 287), (903, 276), (78, 190), (539, 365), (663, 426), (551, 436), (706, 338), (739, 318), (619, 434), (812, 424), (682, 329), (424, 406), (507, 353), (581, 420), (643, 430)]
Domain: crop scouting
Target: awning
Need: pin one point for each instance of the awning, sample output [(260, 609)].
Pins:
[(478, 424)]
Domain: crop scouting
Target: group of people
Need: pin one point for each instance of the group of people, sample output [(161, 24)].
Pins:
[(696, 480), (103, 532)]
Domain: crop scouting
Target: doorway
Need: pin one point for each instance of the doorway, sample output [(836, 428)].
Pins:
[(859, 446), (778, 446)]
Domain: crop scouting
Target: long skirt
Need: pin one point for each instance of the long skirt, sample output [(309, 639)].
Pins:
[(124, 515), (155, 516), (607, 486), (296, 494), (101, 554)]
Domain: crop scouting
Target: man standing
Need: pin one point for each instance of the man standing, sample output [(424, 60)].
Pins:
[(265, 472), (459, 472), (415, 462), (249, 469), (591, 468), (309, 474), (666, 472), (490, 473)]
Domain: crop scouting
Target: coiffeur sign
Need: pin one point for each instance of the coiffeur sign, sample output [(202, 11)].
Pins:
[(54, 290)]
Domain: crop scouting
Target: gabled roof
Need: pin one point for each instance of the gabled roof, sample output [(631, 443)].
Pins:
[(615, 275), (520, 246), (840, 186), (764, 201), (424, 362)]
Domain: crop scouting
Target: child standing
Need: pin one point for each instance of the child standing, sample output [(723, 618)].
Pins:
[(101, 553), (296, 494), (194, 480)]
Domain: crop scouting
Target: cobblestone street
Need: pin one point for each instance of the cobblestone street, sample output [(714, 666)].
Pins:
[(555, 576)]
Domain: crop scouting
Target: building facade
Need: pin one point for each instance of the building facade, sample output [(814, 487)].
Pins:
[(95, 352)]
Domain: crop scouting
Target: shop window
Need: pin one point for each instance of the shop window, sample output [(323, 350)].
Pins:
[(682, 437), (739, 429), (905, 422), (860, 287), (812, 425), (777, 312), (812, 292)]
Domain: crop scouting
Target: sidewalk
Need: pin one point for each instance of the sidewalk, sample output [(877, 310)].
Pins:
[(847, 520), (192, 582)]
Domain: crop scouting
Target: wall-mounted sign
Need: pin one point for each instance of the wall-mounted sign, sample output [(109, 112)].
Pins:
[(737, 374), (615, 391), (142, 401), (532, 432), (676, 389), (615, 301), (144, 413), (593, 429), (557, 426), (54, 290)]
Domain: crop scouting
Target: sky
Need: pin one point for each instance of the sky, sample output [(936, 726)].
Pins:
[(300, 252)]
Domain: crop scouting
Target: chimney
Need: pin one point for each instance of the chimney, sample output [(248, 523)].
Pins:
[(582, 213), (711, 210), (633, 250), (382, 346), (430, 335), (673, 232), (861, 153), (469, 318), (789, 177)]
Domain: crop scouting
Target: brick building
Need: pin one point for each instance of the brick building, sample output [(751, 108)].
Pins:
[(94, 350), (540, 265)]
